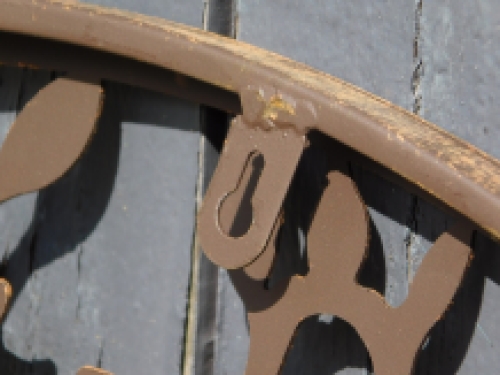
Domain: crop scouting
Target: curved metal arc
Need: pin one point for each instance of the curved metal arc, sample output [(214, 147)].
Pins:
[(280, 96), (31, 52), (404, 143)]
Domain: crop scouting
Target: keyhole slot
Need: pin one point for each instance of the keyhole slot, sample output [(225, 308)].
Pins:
[(236, 211)]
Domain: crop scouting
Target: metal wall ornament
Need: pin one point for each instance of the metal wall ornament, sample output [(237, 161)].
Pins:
[(337, 244), (277, 103)]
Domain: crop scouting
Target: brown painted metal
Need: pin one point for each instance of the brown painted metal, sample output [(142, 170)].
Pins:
[(28, 51), (278, 102), (337, 244), (88, 370), (48, 136), (281, 153), (46, 139), (450, 169), (268, 127)]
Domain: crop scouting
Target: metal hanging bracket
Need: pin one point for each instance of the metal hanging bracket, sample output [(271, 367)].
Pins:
[(277, 102)]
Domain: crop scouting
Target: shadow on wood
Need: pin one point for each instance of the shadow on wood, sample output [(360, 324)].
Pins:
[(68, 211), (335, 337)]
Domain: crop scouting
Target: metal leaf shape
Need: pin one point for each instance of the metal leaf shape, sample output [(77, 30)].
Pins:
[(48, 136)]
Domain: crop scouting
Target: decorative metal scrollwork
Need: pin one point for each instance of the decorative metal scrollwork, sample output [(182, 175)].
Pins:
[(337, 244), (283, 102)]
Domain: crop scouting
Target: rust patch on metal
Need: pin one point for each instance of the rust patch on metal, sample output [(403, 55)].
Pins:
[(269, 108), (284, 101), (276, 105), (337, 245), (88, 370), (48, 136), (5, 294), (267, 128)]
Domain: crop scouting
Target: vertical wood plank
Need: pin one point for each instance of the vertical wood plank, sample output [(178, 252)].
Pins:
[(101, 260), (209, 279), (102, 276), (459, 81), (17, 87)]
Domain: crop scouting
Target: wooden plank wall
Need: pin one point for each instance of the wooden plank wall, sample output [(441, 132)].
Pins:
[(105, 263), (101, 260)]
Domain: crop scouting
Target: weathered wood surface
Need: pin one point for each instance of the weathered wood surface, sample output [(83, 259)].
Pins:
[(105, 264), (458, 45), (100, 261)]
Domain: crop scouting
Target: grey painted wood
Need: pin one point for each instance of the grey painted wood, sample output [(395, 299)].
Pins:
[(106, 270), (459, 50), (459, 81), (16, 214), (368, 43), (19, 327), (210, 282), (100, 261), (189, 12)]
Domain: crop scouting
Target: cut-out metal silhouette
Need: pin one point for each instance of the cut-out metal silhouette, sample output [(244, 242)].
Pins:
[(281, 153), (337, 244), (278, 102), (48, 136)]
